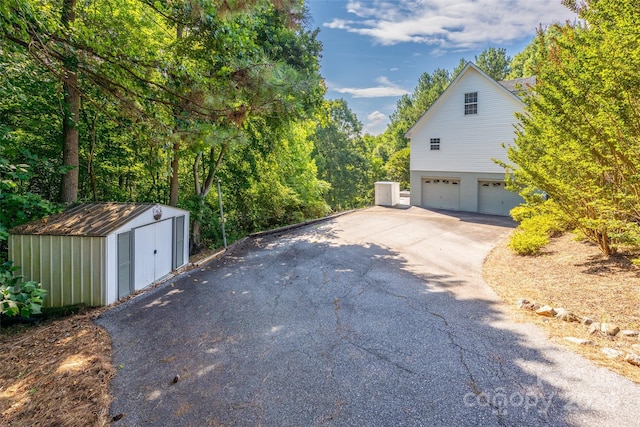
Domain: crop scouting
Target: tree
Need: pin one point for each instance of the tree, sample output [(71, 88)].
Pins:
[(578, 141), (524, 64), (69, 40), (341, 156), (17, 206), (155, 94), (133, 50), (265, 68), (494, 62), (397, 167)]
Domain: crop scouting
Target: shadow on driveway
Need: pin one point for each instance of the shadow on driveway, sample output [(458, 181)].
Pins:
[(310, 328)]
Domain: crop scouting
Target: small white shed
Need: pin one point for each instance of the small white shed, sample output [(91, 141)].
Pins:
[(100, 252), (387, 193)]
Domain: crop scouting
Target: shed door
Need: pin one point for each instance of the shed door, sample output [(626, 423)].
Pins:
[(153, 252), (124, 264), (495, 199), (441, 193), (178, 239)]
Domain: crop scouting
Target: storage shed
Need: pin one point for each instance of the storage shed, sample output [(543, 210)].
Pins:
[(100, 252)]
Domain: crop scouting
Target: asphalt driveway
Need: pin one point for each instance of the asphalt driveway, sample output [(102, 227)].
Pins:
[(375, 318)]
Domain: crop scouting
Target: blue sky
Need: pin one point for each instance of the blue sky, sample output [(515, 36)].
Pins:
[(374, 51)]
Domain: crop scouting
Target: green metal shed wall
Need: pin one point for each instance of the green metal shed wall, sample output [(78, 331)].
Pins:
[(71, 268)]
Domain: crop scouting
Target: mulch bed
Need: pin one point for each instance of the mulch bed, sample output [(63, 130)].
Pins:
[(573, 275), (55, 374)]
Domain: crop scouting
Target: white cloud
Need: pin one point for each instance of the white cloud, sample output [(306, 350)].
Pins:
[(386, 88), (376, 123), (376, 117), (372, 92), (339, 24), (450, 24)]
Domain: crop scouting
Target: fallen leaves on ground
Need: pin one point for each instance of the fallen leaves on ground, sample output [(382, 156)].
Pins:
[(56, 374)]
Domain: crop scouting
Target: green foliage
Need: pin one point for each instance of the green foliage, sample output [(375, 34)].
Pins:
[(578, 141), (539, 220), (525, 63), (397, 167), (17, 206), (18, 298), (183, 79), (342, 157), (494, 62), (527, 242)]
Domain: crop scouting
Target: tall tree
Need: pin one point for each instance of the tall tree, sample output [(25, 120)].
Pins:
[(78, 44), (341, 157), (524, 63), (70, 109), (494, 62), (259, 64), (579, 137)]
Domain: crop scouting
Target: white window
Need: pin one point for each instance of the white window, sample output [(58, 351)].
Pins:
[(471, 103), (434, 144)]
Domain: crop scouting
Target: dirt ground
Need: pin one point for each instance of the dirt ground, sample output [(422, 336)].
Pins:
[(58, 373)]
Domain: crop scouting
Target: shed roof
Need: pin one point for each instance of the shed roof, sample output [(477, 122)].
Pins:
[(93, 219)]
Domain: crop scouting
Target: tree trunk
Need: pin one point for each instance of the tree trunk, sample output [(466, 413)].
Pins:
[(92, 152), (174, 184), (202, 191), (71, 114), (195, 243)]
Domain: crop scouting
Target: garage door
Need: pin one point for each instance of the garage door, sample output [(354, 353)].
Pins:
[(441, 193), (153, 251), (495, 199)]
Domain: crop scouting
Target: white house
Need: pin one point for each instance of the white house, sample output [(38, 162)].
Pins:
[(455, 141), (98, 253)]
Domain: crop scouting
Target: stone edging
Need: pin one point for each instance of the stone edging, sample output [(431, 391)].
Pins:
[(608, 330)]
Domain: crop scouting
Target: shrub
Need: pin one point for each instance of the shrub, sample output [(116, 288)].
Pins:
[(528, 242), (538, 222), (18, 297)]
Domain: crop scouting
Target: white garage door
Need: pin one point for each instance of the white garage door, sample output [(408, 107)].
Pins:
[(495, 199), (153, 252), (441, 193)]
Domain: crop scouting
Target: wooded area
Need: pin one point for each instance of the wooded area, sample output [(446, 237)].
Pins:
[(155, 101), (147, 101)]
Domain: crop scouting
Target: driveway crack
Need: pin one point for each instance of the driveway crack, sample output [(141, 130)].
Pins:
[(383, 357), (475, 389)]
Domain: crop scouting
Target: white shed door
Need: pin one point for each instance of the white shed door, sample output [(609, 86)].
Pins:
[(495, 199), (441, 193), (153, 252)]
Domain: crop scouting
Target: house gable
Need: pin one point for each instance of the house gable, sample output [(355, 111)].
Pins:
[(467, 142)]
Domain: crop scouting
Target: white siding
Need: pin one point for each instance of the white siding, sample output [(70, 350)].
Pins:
[(145, 218), (467, 143)]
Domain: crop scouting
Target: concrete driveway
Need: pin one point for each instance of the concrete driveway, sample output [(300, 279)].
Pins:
[(375, 318)]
